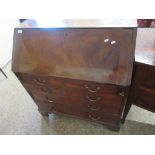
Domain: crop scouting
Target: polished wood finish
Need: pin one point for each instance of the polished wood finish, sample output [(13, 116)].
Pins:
[(145, 46), (102, 55), (78, 71), (107, 98), (72, 97), (142, 92)]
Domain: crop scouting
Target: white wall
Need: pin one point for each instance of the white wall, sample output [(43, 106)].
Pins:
[(6, 40)]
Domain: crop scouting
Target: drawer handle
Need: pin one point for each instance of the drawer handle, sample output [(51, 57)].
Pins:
[(93, 109), (92, 91), (39, 82), (49, 100), (94, 119), (93, 100)]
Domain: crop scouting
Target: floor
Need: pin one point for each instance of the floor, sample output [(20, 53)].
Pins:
[(19, 115), (6, 39)]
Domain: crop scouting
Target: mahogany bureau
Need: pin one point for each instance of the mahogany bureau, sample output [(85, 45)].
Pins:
[(80, 68)]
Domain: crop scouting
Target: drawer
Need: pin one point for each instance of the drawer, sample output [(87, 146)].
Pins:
[(80, 111), (146, 99), (68, 91), (70, 86), (107, 102)]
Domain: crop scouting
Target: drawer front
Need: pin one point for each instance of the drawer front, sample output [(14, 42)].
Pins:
[(80, 111), (108, 105), (102, 55), (71, 86), (107, 98)]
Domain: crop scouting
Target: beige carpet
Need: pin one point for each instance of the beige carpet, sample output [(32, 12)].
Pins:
[(19, 115)]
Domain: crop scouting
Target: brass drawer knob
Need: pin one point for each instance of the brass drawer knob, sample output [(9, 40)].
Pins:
[(93, 100), (92, 91), (49, 100), (39, 82), (93, 118), (93, 109)]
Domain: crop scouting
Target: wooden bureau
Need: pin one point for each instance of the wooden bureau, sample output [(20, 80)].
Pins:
[(81, 68)]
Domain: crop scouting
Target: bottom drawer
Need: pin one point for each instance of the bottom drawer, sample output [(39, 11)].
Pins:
[(79, 111)]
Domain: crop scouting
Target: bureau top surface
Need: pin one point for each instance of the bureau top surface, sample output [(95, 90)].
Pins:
[(145, 46), (79, 23)]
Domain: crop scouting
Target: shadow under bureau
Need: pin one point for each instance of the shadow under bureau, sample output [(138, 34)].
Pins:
[(82, 68)]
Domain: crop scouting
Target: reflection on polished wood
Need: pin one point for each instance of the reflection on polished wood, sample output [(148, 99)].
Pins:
[(145, 46), (76, 53)]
